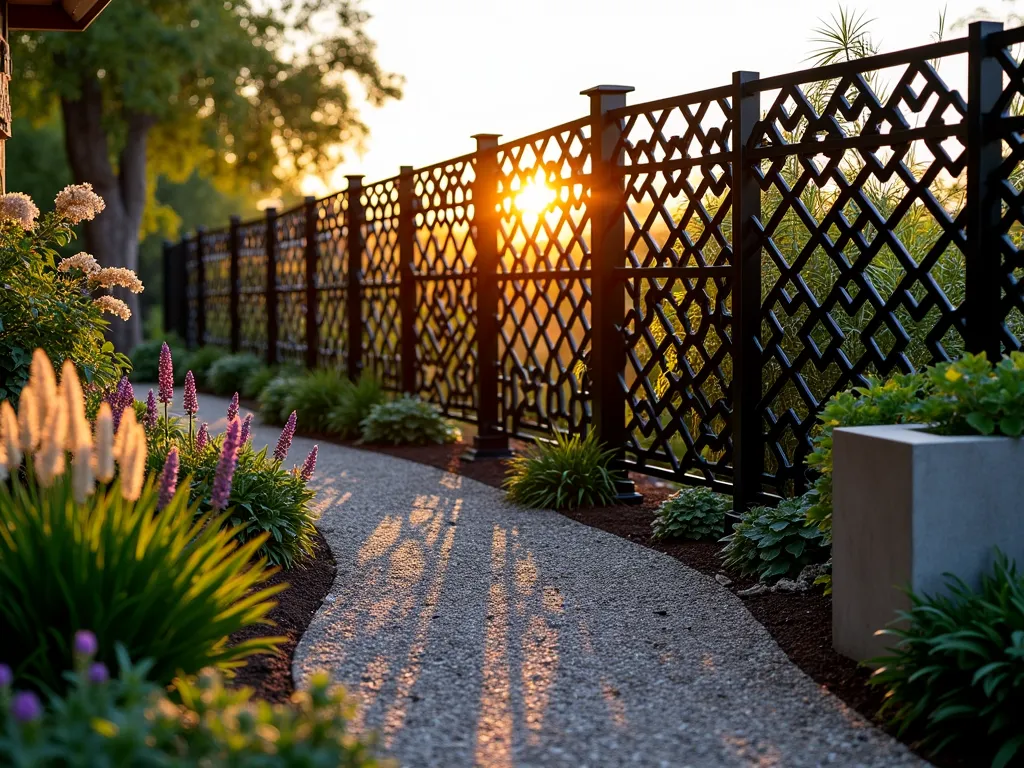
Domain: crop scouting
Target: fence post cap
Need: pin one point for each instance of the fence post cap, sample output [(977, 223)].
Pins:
[(355, 179), (486, 140), (404, 170), (606, 89)]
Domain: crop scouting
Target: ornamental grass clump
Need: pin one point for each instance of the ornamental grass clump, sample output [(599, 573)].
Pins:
[(314, 395), (118, 716), (956, 669), (86, 541), (346, 417), (230, 373), (407, 421), (697, 514), (568, 473), (60, 306), (275, 397), (775, 542)]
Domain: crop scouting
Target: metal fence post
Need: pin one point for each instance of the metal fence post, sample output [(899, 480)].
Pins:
[(982, 315), (200, 288), (271, 243), (490, 441), (608, 254), (407, 284), (233, 282), (747, 434), (312, 301), (355, 217)]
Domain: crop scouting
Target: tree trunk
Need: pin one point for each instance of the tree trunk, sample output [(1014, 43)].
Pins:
[(113, 237)]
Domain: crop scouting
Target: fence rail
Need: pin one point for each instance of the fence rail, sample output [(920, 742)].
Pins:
[(692, 277)]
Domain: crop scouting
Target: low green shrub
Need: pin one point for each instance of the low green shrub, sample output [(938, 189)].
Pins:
[(199, 361), (971, 395), (775, 542), (128, 720), (691, 513), (314, 395), (146, 358), (228, 374), (355, 405), (253, 386), (275, 397), (568, 473), (408, 421), (957, 668), (267, 502)]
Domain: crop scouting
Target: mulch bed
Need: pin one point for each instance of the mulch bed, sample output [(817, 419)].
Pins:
[(270, 676)]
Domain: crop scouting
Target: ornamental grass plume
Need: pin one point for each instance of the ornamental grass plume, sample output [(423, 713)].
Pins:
[(152, 418), (79, 433), (78, 203), (166, 377), (221, 492), (123, 433), (169, 478), (133, 461), (309, 465), (44, 384), (104, 458), (49, 458), (28, 419), (246, 429), (284, 442), (9, 435), (203, 436), (233, 407), (19, 207)]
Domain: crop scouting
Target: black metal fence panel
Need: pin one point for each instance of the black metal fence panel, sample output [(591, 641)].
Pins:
[(692, 277)]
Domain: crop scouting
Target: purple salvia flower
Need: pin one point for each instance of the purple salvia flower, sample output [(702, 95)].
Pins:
[(284, 442), (169, 478), (85, 643), (246, 428), (233, 407), (119, 400), (98, 674), (6, 676), (226, 465), (309, 465), (127, 394), (25, 707), (191, 401), (151, 414), (203, 437), (166, 376)]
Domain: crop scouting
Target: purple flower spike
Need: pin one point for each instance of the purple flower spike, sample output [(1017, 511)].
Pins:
[(98, 674), (203, 437), (226, 465), (166, 376), (85, 643), (6, 676), (25, 707), (284, 443), (120, 399), (169, 478), (151, 414), (127, 394), (191, 401), (309, 465), (246, 429), (233, 407)]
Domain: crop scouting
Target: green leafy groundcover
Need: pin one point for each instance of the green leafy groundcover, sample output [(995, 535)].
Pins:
[(199, 722), (691, 513), (408, 421), (568, 473), (774, 542), (957, 666)]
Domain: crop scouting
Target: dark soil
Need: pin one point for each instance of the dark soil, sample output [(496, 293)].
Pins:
[(270, 676)]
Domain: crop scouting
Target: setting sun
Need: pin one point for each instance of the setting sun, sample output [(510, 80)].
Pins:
[(535, 197)]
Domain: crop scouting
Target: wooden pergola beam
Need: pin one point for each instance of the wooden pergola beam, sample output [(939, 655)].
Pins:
[(66, 16)]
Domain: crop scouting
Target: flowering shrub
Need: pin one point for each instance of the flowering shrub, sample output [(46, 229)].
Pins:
[(127, 720), (265, 501), (51, 305), (87, 542)]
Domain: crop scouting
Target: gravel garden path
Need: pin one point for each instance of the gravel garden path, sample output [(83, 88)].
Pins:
[(476, 632)]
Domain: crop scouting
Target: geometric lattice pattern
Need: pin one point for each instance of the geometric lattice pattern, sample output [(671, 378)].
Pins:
[(544, 280), (857, 181), (679, 258), (443, 263)]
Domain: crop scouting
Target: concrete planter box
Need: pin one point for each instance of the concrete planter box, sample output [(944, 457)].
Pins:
[(909, 506)]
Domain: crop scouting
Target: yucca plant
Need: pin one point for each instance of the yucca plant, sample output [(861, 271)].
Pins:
[(87, 543), (571, 472), (957, 668), (355, 405)]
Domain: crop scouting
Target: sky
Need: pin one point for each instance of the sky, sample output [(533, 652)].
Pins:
[(516, 67)]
